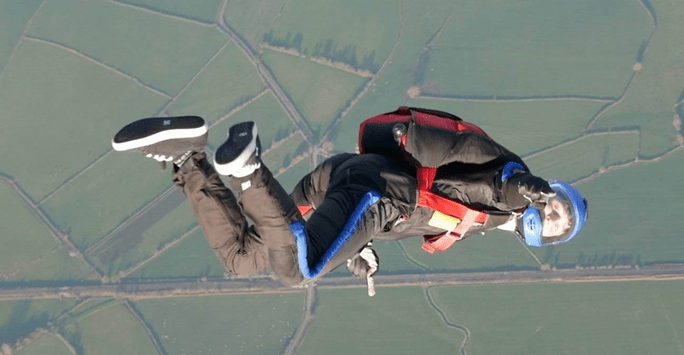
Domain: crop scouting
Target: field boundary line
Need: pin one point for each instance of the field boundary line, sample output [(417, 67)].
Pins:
[(137, 316), (298, 339), (352, 103), (65, 342), (409, 258), (266, 76), (21, 38), (73, 177), (445, 320), (582, 136), (62, 239), (130, 219), (626, 165), (176, 96), (167, 246), (98, 62), (161, 13), (529, 251), (239, 108)]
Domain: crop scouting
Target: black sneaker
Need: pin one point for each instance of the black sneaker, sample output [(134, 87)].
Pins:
[(239, 155), (164, 138)]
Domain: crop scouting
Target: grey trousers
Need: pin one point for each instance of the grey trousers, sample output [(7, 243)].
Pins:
[(239, 246)]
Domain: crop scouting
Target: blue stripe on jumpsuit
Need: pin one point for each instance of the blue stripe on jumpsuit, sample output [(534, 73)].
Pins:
[(350, 227)]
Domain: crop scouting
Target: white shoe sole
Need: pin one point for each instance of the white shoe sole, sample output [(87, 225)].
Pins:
[(160, 137)]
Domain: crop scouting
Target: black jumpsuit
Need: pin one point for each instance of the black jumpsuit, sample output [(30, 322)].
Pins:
[(355, 199)]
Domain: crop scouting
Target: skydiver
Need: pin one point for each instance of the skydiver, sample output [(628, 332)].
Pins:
[(447, 185)]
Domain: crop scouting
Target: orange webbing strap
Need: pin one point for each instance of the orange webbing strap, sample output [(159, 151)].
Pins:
[(461, 216)]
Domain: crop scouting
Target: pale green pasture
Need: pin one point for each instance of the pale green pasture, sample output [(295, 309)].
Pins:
[(585, 156), (162, 51), (28, 251), (370, 28), (281, 156), (650, 101), (21, 318), (397, 320), (537, 48), (634, 218), (522, 126), (108, 193), (47, 344), (110, 329), (271, 120), (57, 115), (115, 255), (588, 318), (496, 250), (232, 324), (389, 90), (320, 92), (204, 11), (228, 81), (252, 19), (191, 257), (14, 16)]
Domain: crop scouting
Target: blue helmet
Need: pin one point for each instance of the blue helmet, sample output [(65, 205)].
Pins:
[(532, 219)]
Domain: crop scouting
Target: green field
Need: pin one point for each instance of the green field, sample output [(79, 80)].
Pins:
[(20, 318), (649, 104), (73, 113), (373, 26), (14, 16), (542, 48), (318, 91), (47, 344), (156, 46), (250, 324), (192, 257), (97, 201), (109, 329), (252, 19), (28, 251), (633, 220), (594, 318), (228, 81), (394, 321), (585, 156), (120, 254)]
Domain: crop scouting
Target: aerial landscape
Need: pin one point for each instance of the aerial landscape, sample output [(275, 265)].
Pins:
[(101, 254)]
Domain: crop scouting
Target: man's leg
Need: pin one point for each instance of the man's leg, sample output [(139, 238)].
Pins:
[(182, 140), (238, 247)]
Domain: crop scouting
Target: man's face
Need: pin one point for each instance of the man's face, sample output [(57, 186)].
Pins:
[(556, 221)]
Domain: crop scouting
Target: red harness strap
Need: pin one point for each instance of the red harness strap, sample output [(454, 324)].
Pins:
[(467, 216)]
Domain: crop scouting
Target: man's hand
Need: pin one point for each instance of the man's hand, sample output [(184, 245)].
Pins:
[(535, 189), (365, 264)]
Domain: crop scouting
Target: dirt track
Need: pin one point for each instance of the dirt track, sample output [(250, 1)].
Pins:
[(186, 287)]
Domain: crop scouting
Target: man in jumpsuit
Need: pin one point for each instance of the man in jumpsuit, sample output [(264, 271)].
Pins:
[(334, 213)]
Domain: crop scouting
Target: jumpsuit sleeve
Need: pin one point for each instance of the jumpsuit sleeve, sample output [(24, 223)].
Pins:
[(435, 147)]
